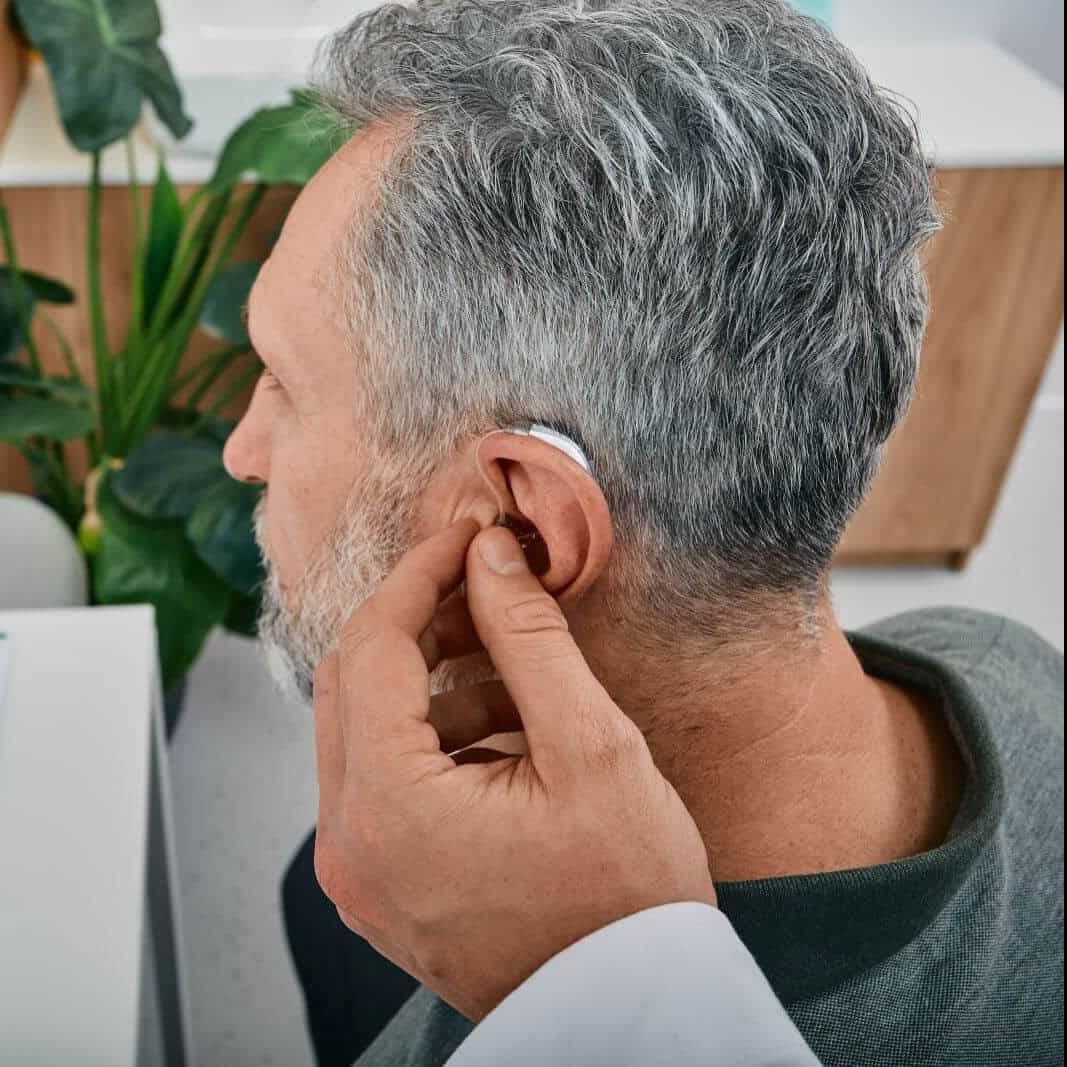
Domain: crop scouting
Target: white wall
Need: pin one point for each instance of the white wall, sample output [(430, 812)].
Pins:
[(1034, 32)]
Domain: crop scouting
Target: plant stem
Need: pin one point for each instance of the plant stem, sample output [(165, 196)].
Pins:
[(61, 492), (19, 287), (101, 356), (135, 331), (64, 346), (242, 382), (194, 238), (152, 389), (208, 367)]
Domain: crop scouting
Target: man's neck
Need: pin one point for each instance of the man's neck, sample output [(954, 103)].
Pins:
[(793, 764)]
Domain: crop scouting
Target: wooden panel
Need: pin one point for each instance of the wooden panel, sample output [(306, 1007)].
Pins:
[(50, 227), (996, 281), (12, 69)]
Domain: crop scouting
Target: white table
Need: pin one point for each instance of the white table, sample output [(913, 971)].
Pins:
[(91, 967)]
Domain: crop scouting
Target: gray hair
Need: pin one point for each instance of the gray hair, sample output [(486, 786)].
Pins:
[(684, 234)]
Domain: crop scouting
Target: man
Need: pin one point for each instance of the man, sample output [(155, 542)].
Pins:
[(688, 237)]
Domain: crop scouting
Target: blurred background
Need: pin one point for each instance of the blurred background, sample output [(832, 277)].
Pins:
[(967, 510)]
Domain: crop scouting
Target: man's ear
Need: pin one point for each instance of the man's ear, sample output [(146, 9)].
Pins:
[(538, 484)]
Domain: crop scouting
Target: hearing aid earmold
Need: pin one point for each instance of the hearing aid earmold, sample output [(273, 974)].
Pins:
[(533, 544)]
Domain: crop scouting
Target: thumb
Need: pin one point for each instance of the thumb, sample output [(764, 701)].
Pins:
[(567, 714)]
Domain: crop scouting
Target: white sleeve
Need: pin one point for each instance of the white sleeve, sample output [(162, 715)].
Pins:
[(673, 984)]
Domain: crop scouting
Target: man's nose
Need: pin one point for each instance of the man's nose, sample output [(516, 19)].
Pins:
[(246, 453)]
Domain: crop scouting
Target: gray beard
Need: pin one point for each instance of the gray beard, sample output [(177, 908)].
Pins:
[(298, 631)]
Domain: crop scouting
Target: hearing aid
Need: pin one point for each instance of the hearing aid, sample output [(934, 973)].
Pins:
[(528, 536)]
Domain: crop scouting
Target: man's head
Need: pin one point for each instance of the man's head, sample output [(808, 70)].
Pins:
[(686, 235)]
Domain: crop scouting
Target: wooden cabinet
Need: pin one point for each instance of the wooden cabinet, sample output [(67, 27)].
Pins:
[(996, 297)]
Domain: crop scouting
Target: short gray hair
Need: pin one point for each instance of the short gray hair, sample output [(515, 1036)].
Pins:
[(684, 233)]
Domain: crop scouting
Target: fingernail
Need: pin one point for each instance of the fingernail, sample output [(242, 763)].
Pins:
[(501, 552)]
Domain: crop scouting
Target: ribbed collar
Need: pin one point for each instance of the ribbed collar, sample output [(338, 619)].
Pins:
[(809, 932)]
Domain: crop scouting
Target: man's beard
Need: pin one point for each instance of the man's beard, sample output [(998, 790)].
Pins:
[(368, 540)]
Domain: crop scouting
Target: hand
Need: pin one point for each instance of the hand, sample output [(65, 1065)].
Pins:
[(470, 875)]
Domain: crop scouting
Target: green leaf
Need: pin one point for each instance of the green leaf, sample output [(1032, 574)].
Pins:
[(104, 59), (17, 374), (35, 287), (143, 561), (10, 319), (44, 416), (73, 392), (168, 475), (218, 428), (227, 295), (47, 290), (221, 529), (279, 145), (164, 230), (242, 617)]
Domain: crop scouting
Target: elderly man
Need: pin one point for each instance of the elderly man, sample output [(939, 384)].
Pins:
[(687, 236)]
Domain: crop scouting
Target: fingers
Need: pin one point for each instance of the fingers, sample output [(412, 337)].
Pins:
[(384, 680), (566, 713), (463, 716), (451, 633)]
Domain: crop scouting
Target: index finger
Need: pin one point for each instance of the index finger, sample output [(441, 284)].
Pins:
[(384, 679)]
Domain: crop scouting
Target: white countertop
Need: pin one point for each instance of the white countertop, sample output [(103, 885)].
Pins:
[(75, 744), (976, 106)]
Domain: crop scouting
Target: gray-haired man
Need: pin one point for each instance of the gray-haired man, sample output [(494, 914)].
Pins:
[(687, 236)]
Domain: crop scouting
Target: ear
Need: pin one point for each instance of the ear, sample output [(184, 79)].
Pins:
[(535, 481)]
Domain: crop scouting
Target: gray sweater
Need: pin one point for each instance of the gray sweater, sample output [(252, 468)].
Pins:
[(951, 958)]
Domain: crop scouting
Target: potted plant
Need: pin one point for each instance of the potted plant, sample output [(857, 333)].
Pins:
[(157, 516)]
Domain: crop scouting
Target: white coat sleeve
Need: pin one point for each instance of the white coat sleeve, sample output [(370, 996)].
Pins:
[(673, 984)]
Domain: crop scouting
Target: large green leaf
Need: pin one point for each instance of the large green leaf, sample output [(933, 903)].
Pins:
[(164, 230), (221, 530), (35, 287), (15, 374), (279, 145), (104, 59), (10, 319), (44, 416), (168, 475), (47, 290), (144, 561), (223, 314)]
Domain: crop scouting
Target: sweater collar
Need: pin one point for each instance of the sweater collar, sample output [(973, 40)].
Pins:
[(810, 932)]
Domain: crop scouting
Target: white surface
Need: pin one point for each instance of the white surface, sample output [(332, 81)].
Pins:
[(975, 103), (590, 1005), (74, 777), (243, 778), (41, 565), (5, 662)]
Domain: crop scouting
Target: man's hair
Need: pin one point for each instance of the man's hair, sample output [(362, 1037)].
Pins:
[(685, 234)]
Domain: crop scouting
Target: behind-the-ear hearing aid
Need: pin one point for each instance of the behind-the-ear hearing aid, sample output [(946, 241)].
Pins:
[(526, 533)]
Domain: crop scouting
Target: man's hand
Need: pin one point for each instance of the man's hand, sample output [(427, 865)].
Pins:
[(470, 875)]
